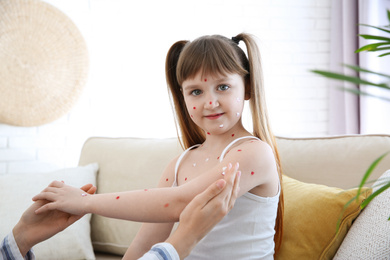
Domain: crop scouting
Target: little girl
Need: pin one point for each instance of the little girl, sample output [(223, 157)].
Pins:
[(209, 80)]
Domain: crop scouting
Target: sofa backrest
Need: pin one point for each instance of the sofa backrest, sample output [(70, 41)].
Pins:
[(339, 161)]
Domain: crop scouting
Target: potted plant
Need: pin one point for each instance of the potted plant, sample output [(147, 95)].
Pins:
[(382, 45)]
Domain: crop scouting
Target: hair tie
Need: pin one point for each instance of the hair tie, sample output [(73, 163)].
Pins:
[(236, 40)]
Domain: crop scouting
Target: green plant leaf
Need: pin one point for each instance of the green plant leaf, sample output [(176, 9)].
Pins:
[(373, 195), (385, 54), (379, 28), (371, 47), (369, 171), (344, 209), (362, 93), (374, 37), (355, 80), (388, 15), (357, 68), (382, 49)]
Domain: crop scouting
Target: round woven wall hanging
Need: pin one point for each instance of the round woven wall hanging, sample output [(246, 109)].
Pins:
[(43, 63)]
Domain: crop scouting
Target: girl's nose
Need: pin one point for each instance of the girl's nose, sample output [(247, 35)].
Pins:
[(211, 104)]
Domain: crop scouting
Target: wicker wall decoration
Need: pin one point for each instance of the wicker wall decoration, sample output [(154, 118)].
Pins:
[(43, 63)]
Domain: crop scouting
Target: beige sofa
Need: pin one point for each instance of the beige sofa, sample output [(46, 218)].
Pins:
[(310, 232)]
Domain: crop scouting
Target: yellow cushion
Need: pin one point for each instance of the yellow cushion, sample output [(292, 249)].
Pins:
[(311, 215)]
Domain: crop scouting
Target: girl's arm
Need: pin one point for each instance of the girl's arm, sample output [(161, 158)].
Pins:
[(259, 175), (149, 205)]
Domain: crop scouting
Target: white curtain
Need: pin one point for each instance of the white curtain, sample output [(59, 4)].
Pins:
[(343, 106), (348, 113)]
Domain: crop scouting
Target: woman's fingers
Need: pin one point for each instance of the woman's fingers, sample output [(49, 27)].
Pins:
[(210, 193), (89, 188), (235, 190)]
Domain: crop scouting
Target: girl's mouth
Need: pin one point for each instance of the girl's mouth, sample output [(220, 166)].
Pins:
[(214, 116)]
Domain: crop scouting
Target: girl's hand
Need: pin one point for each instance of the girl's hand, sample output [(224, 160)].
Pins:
[(64, 198)]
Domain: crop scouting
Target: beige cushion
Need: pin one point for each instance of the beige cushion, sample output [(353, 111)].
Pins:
[(333, 161), (16, 191), (124, 164), (369, 236)]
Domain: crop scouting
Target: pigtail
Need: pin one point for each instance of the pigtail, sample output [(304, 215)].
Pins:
[(261, 127), (190, 132)]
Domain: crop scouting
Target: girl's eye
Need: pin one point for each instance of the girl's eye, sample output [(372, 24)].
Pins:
[(196, 92), (223, 87)]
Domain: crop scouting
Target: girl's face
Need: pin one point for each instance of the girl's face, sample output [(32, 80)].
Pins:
[(215, 103)]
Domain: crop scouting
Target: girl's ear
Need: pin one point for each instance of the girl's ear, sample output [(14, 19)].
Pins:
[(247, 89)]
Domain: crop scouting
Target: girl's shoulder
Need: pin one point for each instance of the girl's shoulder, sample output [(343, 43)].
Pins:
[(249, 145)]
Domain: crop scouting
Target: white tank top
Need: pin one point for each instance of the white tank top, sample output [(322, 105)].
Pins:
[(246, 232)]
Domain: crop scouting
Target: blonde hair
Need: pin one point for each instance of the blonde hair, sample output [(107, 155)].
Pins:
[(218, 55)]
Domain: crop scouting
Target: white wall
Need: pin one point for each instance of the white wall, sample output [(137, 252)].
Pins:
[(126, 91)]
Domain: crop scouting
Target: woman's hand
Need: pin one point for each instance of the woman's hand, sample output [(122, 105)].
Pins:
[(64, 198), (205, 211), (33, 229)]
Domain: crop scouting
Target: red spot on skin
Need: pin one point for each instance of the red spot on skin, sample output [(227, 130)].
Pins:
[(232, 135), (166, 179), (185, 179), (117, 197), (192, 116), (218, 158), (194, 107), (211, 102), (239, 150), (208, 133), (205, 80), (252, 173), (145, 189), (166, 205)]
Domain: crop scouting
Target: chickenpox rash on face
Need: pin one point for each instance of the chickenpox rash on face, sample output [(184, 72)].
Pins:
[(252, 173), (239, 150), (185, 179), (194, 107), (166, 205), (145, 189), (208, 133), (117, 197), (166, 179), (205, 80), (211, 102), (232, 135)]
